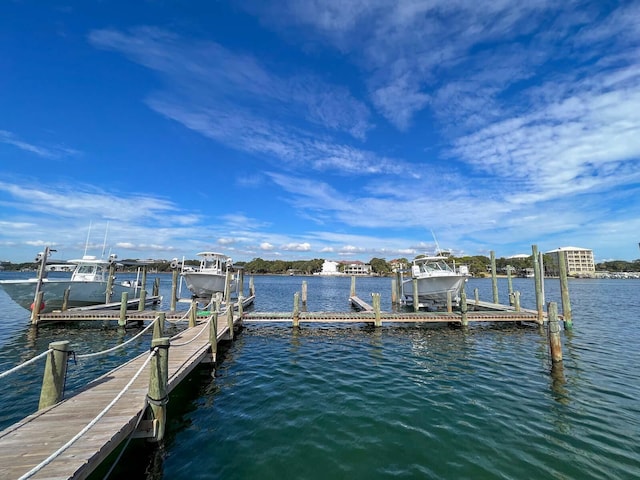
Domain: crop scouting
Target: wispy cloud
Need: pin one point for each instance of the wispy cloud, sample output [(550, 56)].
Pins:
[(39, 150)]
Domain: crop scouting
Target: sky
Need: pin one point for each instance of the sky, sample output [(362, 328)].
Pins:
[(338, 129)]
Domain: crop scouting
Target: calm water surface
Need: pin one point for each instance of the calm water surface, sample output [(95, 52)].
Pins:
[(355, 402)]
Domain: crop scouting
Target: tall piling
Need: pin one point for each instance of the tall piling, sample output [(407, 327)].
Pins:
[(158, 394), (122, 321), (564, 292), (296, 308), (55, 371), (304, 293), (538, 284), (494, 277), (555, 342), (213, 335), (174, 289), (375, 300), (416, 300)]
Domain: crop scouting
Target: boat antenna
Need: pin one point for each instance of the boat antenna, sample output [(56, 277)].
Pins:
[(104, 243), (86, 244), (436, 240)]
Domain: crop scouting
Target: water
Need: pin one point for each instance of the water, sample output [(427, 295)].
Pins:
[(409, 401)]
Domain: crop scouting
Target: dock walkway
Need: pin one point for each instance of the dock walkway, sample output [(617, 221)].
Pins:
[(28, 443)]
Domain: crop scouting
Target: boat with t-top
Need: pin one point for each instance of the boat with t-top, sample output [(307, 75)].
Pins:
[(211, 276), (435, 278), (89, 285)]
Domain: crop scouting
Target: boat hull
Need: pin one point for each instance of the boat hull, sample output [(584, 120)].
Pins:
[(81, 294), (433, 290), (204, 284)]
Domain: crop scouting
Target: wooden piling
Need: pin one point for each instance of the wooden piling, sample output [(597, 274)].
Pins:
[(122, 321), (142, 300), (304, 293), (193, 313), (494, 277), (240, 282), (352, 292), (65, 299), (158, 325), (158, 395), (463, 308), (538, 283), (156, 287), (36, 306), (230, 320), (449, 302), (476, 295), (416, 300), (213, 335), (394, 291), (516, 300), (553, 326), (375, 299), (252, 288), (227, 287), (564, 291), (55, 371), (510, 284), (174, 290), (296, 306), (112, 274), (399, 286)]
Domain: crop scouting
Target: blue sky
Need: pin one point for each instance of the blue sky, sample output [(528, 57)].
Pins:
[(319, 129)]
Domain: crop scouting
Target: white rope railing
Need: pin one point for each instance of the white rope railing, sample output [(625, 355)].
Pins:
[(181, 319), (52, 457), (204, 328), (112, 349), (28, 362)]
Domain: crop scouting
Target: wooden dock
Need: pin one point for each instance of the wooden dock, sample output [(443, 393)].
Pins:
[(31, 441), (34, 447)]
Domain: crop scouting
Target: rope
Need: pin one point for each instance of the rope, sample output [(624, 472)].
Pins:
[(95, 354), (51, 457), (194, 338), (18, 367), (181, 319)]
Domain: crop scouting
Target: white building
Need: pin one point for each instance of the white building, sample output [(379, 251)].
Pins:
[(329, 267), (579, 261)]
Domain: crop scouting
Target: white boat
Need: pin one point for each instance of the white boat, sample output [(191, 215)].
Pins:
[(210, 277), (435, 278), (87, 286)]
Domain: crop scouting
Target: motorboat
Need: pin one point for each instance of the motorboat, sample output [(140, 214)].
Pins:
[(88, 285), (435, 279), (211, 276)]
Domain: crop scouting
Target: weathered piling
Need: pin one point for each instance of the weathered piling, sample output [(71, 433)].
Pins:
[(296, 305), (158, 325), (213, 335), (122, 321), (55, 371), (65, 299), (476, 295), (553, 326), (112, 274), (375, 300), (158, 395), (516, 300), (174, 289), (564, 292), (494, 277), (304, 293), (399, 286), (510, 284), (156, 287), (227, 287), (230, 320), (463, 308), (394, 291), (240, 282), (416, 301), (538, 283), (252, 288), (352, 292), (36, 306), (449, 302), (193, 313)]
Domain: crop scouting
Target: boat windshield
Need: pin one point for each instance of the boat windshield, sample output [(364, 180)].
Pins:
[(434, 266), (86, 269)]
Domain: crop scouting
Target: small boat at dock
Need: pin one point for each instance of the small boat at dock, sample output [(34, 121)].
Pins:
[(211, 276), (435, 279)]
